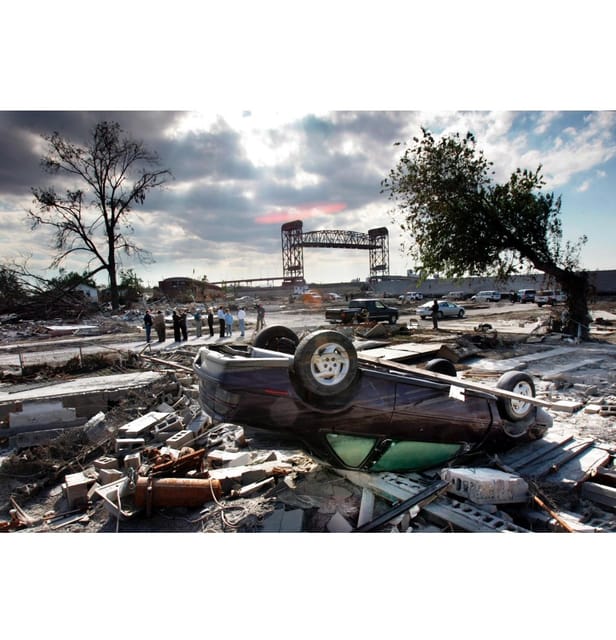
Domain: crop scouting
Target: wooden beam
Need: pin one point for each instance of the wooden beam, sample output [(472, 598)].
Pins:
[(456, 382)]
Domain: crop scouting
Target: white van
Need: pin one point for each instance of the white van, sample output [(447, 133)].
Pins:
[(487, 296)]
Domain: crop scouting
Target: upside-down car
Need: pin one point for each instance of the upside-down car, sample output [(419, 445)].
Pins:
[(357, 414)]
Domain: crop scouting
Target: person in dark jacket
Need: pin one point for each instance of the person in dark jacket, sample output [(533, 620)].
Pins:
[(176, 326), (210, 321), (435, 314), (159, 325), (183, 325), (147, 323)]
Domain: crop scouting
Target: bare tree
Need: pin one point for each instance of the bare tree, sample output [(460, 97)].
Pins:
[(112, 174)]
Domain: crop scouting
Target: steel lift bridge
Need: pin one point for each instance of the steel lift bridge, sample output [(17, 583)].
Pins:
[(294, 239)]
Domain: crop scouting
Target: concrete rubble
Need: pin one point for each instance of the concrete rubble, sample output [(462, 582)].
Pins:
[(139, 455)]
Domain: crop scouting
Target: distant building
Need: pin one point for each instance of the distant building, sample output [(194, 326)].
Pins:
[(189, 290), (90, 293)]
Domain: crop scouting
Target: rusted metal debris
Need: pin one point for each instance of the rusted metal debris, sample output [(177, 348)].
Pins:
[(154, 493)]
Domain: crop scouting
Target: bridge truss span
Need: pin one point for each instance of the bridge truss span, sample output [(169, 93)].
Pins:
[(294, 239)]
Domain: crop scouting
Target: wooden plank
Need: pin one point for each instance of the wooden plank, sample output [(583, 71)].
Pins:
[(599, 493), (580, 468)]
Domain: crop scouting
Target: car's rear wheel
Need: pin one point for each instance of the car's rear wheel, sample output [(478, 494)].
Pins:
[(277, 338), (325, 363), (393, 319), (522, 384), (441, 365), (461, 313)]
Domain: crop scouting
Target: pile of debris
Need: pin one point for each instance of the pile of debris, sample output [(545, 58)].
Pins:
[(136, 453)]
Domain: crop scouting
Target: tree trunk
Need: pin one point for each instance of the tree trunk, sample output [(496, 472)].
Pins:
[(113, 282), (576, 287)]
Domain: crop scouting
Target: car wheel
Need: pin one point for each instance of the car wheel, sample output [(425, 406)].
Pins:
[(393, 319), (442, 365), (522, 384), (439, 315), (461, 313), (325, 363), (277, 338)]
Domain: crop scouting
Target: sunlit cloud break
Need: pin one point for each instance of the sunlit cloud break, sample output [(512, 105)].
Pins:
[(300, 213)]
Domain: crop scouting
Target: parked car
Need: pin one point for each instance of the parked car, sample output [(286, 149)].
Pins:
[(446, 309), (333, 297), (549, 296), (410, 296), (526, 295), (456, 295), (362, 310), (359, 414), (487, 296), (246, 301)]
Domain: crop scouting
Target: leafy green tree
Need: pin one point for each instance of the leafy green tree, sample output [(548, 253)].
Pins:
[(461, 222), (111, 174), (69, 280), (131, 285)]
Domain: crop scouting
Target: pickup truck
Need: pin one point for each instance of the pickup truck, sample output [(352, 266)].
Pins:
[(549, 297), (362, 310)]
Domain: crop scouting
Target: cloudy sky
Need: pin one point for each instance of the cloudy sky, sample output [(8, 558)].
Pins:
[(292, 112), (238, 175)]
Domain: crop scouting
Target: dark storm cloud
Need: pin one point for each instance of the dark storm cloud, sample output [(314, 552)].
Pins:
[(216, 154), (21, 131)]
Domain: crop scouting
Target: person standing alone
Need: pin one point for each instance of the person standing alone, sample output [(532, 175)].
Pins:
[(435, 314), (260, 317)]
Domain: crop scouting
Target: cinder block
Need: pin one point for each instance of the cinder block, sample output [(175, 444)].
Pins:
[(127, 445), (106, 476), (485, 486), (228, 458), (132, 460), (180, 439), (76, 489), (142, 425), (106, 462)]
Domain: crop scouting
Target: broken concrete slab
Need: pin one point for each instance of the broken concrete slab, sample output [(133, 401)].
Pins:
[(281, 521), (442, 511), (484, 485), (87, 396)]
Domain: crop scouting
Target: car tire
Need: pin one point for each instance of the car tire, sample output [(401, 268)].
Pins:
[(442, 365), (277, 338), (439, 315), (393, 319), (517, 382), (325, 364), (461, 313)]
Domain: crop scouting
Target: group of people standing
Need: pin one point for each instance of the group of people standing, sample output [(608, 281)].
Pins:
[(180, 327)]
